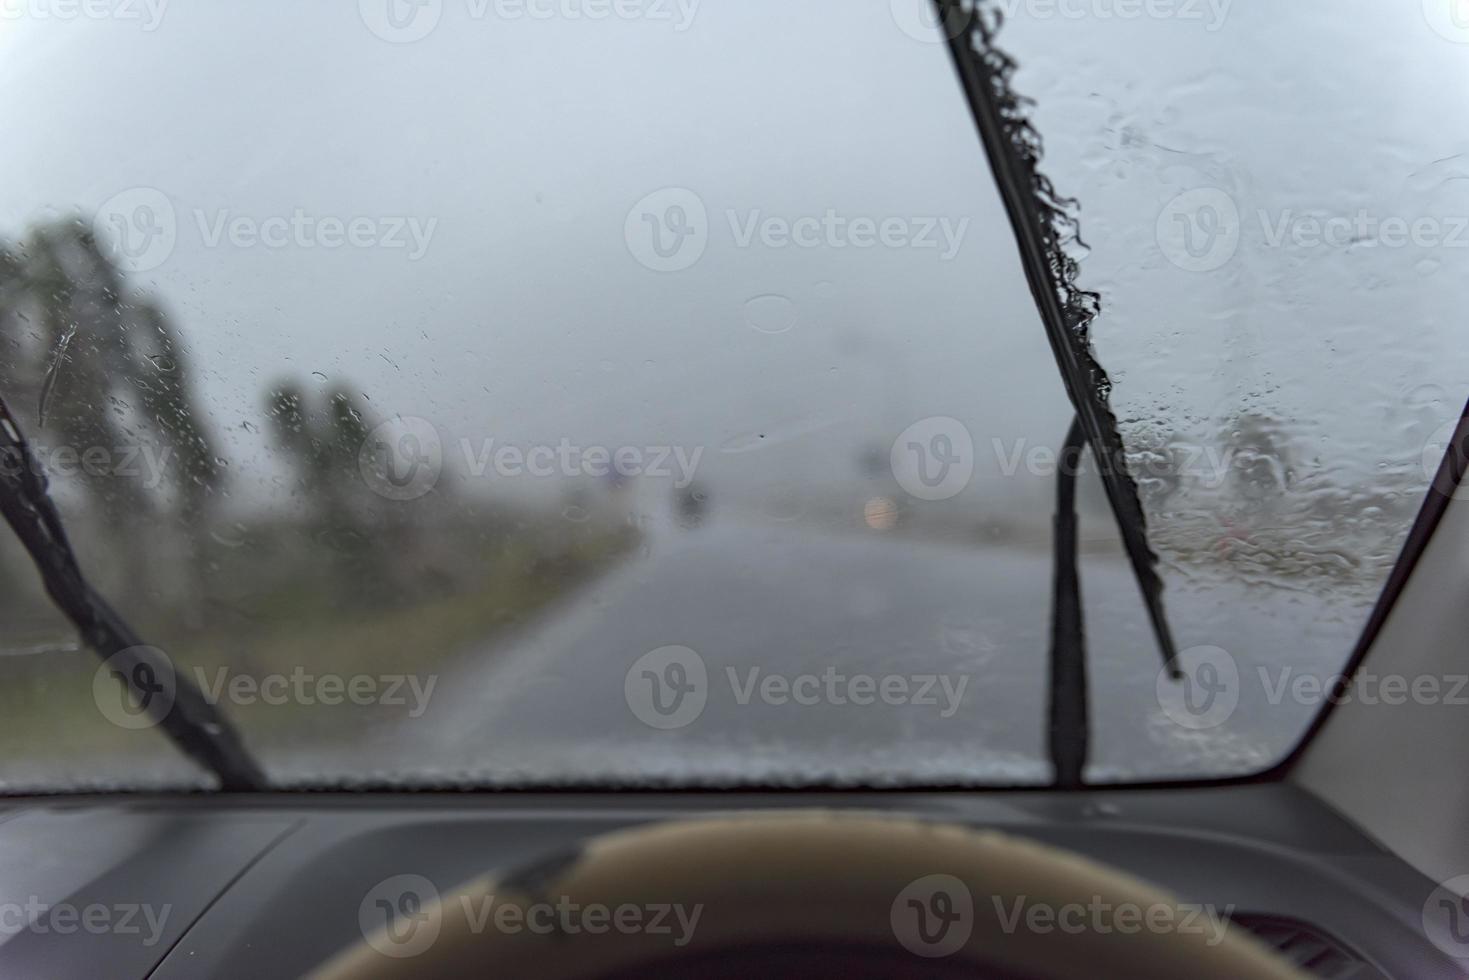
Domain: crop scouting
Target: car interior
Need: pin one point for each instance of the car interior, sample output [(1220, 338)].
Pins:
[(572, 489)]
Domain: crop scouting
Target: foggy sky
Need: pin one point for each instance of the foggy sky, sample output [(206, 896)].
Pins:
[(526, 140)]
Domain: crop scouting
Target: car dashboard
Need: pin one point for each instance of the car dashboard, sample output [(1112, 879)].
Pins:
[(272, 885)]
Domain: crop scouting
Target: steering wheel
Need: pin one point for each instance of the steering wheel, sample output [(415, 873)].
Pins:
[(809, 893)]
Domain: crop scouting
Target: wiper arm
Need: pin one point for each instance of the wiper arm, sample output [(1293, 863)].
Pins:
[(203, 734), (1039, 223), (1068, 735)]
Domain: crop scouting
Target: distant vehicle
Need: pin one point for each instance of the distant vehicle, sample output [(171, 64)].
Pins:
[(690, 505)]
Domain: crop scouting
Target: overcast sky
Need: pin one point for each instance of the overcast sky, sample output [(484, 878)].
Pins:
[(527, 143), (519, 142)]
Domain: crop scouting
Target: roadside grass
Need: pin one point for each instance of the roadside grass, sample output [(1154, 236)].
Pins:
[(50, 723)]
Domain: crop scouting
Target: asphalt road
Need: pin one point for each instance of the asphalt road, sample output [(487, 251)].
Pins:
[(800, 655)]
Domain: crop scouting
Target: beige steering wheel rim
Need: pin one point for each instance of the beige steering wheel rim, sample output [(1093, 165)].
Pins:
[(814, 876)]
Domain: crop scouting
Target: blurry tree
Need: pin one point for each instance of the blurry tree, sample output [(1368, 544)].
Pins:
[(102, 386), (321, 441), (87, 364), (321, 444)]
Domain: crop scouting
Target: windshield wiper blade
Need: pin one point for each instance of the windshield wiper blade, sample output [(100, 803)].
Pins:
[(1041, 225), (203, 734)]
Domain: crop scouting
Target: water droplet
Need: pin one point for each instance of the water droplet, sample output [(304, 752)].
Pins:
[(1426, 396), (742, 443), (232, 536), (770, 313)]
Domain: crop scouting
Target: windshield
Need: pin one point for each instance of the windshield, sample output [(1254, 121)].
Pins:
[(519, 394)]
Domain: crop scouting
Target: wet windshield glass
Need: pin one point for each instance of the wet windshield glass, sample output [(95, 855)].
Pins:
[(1276, 205), (492, 393)]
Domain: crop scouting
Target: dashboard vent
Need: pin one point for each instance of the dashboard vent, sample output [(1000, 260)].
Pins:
[(1308, 948)]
